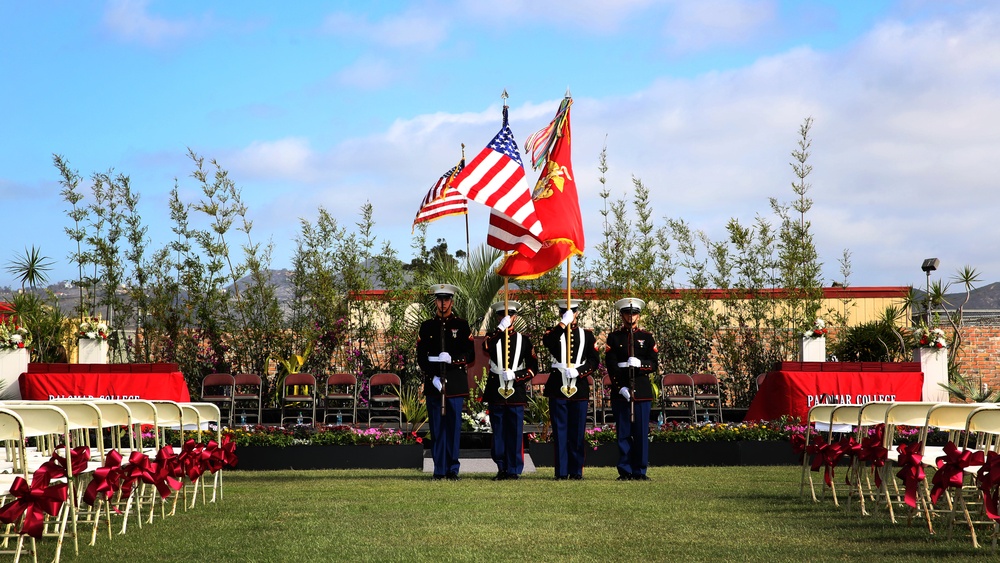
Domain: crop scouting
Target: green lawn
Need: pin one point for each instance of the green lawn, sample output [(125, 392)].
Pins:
[(684, 513)]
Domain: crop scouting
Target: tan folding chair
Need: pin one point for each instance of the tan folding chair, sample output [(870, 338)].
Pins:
[(914, 415), (383, 398), (870, 418), (341, 398), (14, 466), (982, 434), (843, 421), (953, 418), (817, 413), (50, 427), (198, 416)]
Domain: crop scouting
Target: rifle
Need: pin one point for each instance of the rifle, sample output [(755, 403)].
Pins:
[(631, 372), (444, 374)]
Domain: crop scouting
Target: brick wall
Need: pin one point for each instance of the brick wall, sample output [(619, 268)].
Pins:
[(979, 356)]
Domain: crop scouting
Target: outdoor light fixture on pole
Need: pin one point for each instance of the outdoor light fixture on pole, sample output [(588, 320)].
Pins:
[(928, 266)]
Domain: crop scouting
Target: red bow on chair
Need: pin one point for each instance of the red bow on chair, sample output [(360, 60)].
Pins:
[(911, 470), (229, 452), (213, 457), (55, 467), (798, 442), (814, 449), (167, 465), (852, 449), (139, 467), (829, 456), (106, 480), (34, 501), (950, 466), (988, 478), (191, 459), (873, 451)]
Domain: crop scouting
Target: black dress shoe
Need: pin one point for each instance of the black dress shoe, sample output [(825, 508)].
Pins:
[(640, 478), (576, 477), (512, 477), (500, 476), (624, 478), (453, 477), (438, 477), (560, 478)]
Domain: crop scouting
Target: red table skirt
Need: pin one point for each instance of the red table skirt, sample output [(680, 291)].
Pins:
[(792, 393), (43, 382)]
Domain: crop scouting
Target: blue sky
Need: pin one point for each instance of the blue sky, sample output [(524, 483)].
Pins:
[(333, 104)]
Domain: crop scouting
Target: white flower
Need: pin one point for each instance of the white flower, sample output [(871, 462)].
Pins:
[(818, 329), (16, 337)]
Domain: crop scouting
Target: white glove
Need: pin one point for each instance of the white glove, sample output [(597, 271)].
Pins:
[(624, 392), (444, 357), (567, 317), (634, 362), (572, 373), (437, 383), (504, 323), (509, 375)]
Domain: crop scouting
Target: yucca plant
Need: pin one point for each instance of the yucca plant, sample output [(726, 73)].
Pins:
[(413, 405)]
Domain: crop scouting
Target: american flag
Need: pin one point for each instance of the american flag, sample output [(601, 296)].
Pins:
[(443, 199), (510, 236), (496, 178)]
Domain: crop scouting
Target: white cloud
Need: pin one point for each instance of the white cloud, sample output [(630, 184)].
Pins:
[(693, 26), (401, 31), (132, 21), (286, 159), (901, 145), (596, 15), (367, 73)]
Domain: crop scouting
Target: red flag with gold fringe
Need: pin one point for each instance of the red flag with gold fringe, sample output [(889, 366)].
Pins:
[(557, 205)]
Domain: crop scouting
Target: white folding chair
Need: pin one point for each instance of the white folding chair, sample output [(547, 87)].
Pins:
[(953, 418), (912, 414), (817, 413), (871, 436), (14, 467), (50, 427)]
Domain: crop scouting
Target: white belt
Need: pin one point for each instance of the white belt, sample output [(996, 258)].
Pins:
[(623, 364), (558, 365), (497, 370), (433, 359)]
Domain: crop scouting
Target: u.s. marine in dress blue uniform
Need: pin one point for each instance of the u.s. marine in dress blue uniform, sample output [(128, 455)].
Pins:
[(631, 356), (506, 389), (444, 349), (568, 389)]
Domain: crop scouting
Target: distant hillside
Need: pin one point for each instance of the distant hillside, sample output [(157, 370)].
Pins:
[(982, 298)]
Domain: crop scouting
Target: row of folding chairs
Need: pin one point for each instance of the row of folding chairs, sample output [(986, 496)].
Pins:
[(69, 464), (682, 397), (239, 398), (937, 463), (691, 397)]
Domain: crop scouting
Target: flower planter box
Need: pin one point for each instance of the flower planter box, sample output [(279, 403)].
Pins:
[(330, 457), (92, 351), (685, 454), (12, 364)]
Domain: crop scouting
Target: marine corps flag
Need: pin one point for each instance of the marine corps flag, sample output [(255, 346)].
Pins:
[(556, 203)]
